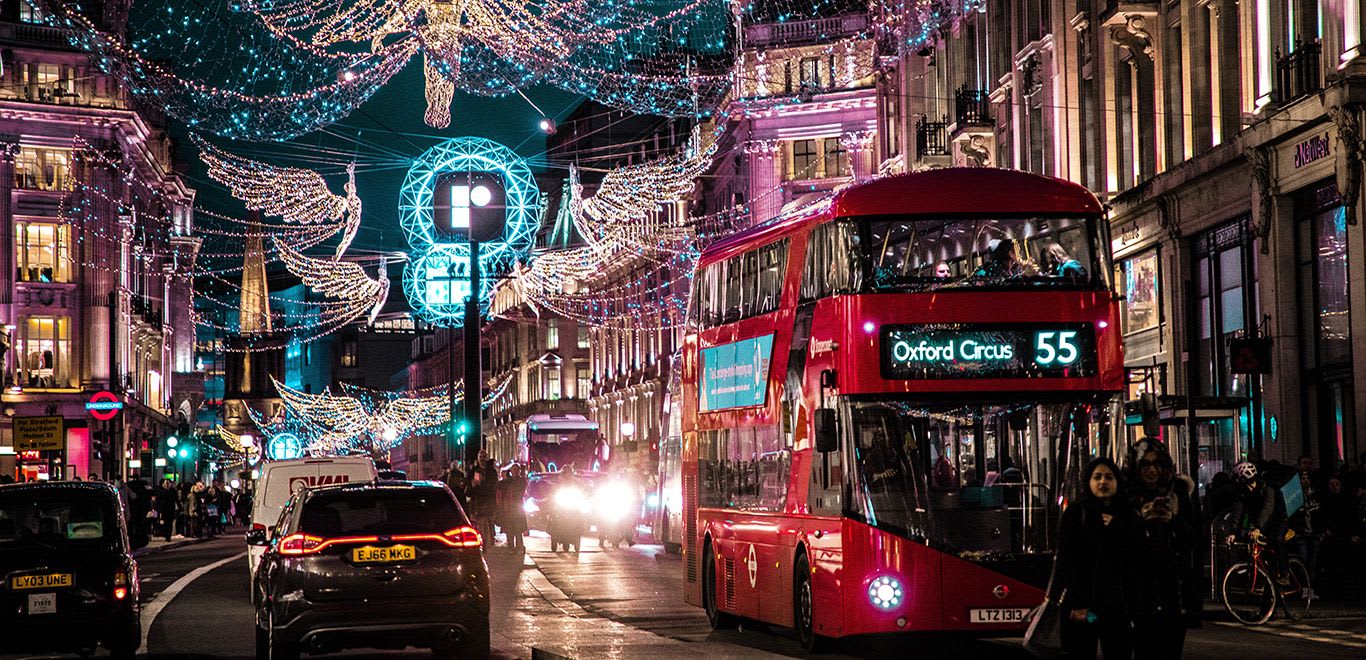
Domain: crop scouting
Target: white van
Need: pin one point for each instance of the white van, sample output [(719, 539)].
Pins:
[(280, 479)]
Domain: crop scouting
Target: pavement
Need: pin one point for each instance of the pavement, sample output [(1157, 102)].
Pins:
[(626, 603)]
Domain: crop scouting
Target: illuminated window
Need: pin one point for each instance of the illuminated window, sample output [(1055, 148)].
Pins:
[(349, 353), (811, 72), (583, 336), (30, 14), (552, 336), (42, 252), (584, 384), (552, 383), (836, 158), (44, 349), (43, 169)]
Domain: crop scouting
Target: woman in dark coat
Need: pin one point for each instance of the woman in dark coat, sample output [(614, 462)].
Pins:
[(1173, 592), (1095, 563), (513, 516)]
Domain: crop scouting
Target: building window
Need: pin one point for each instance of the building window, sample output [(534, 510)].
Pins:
[(805, 159), (811, 73), (350, 351), (583, 336), (1226, 296), (43, 169), (583, 383), (552, 335), (42, 252), (1323, 274), (1139, 276), (836, 158), (552, 383), (44, 348), (30, 14)]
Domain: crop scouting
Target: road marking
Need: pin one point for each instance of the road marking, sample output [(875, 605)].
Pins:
[(1357, 641), (152, 609)]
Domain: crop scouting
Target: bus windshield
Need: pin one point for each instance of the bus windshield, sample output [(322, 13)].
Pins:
[(981, 480), (552, 451), (930, 254)]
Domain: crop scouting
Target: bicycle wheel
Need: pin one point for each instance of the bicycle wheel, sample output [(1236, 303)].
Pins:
[(1297, 598), (1248, 594)]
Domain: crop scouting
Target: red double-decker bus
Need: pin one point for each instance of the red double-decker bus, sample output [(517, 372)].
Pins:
[(886, 398)]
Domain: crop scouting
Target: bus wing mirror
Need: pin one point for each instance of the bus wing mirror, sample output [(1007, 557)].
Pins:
[(827, 437)]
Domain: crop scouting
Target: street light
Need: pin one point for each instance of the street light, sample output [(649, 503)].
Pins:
[(248, 440), (627, 429)]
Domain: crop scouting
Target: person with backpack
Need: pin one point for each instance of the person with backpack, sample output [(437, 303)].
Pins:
[(1171, 599), (1259, 511)]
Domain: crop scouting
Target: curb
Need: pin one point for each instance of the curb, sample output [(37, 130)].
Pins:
[(148, 550)]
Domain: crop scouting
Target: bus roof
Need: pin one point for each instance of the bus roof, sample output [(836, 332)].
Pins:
[(951, 191), (560, 422)]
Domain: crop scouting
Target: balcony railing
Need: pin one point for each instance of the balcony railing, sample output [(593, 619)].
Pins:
[(971, 107), (932, 137), (817, 30), (1299, 73)]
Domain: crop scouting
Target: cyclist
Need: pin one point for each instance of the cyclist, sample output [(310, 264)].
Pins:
[(1259, 511)]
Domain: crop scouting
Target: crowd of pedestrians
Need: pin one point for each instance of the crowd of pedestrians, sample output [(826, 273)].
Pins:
[(492, 498)]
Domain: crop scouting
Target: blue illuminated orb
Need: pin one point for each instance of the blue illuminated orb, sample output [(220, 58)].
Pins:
[(285, 446)]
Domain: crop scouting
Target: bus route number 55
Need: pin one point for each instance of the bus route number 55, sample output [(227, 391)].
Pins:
[(1055, 348)]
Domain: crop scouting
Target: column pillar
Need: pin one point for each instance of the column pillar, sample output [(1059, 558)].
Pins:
[(8, 151), (765, 179), (859, 147), (98, 245)]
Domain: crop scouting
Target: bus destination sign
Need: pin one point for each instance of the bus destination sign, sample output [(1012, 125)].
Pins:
[(928, 351)]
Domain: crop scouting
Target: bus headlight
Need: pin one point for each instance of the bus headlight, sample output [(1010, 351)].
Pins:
[(569, 498), (529, 506), (885, 592)]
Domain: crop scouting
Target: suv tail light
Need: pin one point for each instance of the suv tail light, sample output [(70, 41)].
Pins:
[(301, 544), (462, 537)]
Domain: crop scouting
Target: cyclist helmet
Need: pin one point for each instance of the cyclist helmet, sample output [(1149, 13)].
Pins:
[(1244, 472)]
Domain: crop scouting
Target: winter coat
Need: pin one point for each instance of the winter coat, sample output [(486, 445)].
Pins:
[(1097, 562), (1169, 561)]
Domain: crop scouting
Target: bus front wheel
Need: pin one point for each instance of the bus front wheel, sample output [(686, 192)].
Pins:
[(803, 608), (719, 620)]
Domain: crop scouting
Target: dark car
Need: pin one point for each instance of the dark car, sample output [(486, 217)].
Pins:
[(70, 580), (372, 565)]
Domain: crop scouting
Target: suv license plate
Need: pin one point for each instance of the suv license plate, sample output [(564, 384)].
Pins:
[(42, 603), (998, 615), (372, 555)]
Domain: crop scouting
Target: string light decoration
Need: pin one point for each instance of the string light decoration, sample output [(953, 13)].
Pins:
[(296, 195), (362, 418), (344, 280)]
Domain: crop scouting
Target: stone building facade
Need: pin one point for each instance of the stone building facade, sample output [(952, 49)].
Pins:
[(1226, 139), (95, 257)]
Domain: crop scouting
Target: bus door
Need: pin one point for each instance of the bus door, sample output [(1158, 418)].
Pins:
[(824, 535), (734, 539)]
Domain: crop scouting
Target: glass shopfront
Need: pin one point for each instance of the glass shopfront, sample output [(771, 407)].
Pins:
[(1325, 326)]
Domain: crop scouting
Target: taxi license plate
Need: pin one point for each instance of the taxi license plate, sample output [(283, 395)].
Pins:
[(998, 615), (48, 581), (370, 554), (42, 603)]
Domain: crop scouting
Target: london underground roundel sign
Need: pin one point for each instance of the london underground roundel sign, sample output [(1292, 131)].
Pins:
[(104, 406)]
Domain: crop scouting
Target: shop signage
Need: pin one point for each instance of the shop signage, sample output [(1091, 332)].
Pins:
[(39, 433), (104, 406), (1313, 149), (988, 351)]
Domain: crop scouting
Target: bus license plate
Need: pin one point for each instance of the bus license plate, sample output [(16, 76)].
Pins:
[(42, 603), (47, 581), (370, 554), (998, 615)]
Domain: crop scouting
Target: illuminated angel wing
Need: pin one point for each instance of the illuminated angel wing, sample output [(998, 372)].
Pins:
[(299, 196), (340, 415), (327, 22), (632, 193), (346, 280)]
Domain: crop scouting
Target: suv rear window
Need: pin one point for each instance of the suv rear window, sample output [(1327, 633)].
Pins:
[(56, 519), (383, 511)]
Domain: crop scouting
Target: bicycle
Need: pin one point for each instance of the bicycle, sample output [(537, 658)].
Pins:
[(1251, 595)]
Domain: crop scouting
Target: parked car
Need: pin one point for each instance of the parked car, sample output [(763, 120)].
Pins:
[(71, 583), (279, 480), (371, 565)]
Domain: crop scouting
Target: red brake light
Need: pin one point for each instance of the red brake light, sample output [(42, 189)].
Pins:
[(301, 544), (462, 537), (258, 526), (120, 593)]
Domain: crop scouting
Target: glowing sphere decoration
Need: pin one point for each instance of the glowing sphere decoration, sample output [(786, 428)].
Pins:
[(285, 446), (457, 189)]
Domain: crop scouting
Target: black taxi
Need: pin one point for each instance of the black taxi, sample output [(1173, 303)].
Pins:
[(371, 565), (70, 581)]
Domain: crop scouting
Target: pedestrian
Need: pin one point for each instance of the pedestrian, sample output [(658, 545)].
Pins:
[(196, 504), (92, 477), (243, 504), (1305, 523), (168, 504), (223, 499), (454, 479), (1172, 598), (513, 493), (483, 495), (1339, 524), (1095, 562)]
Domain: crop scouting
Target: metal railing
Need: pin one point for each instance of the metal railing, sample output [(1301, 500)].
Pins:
[(821, 29), (932, 137), (1299, 73), (971, 107)]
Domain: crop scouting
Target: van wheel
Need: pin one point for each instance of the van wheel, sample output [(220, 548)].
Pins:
[(719, 620), (804, 610)]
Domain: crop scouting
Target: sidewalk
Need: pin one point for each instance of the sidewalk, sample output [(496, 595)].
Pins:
[(160, 544)]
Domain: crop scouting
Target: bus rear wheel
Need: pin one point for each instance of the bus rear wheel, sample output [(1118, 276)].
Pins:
[(804, 610), (719, 620)]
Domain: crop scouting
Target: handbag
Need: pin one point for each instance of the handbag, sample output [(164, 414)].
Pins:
[(1043, 637)]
